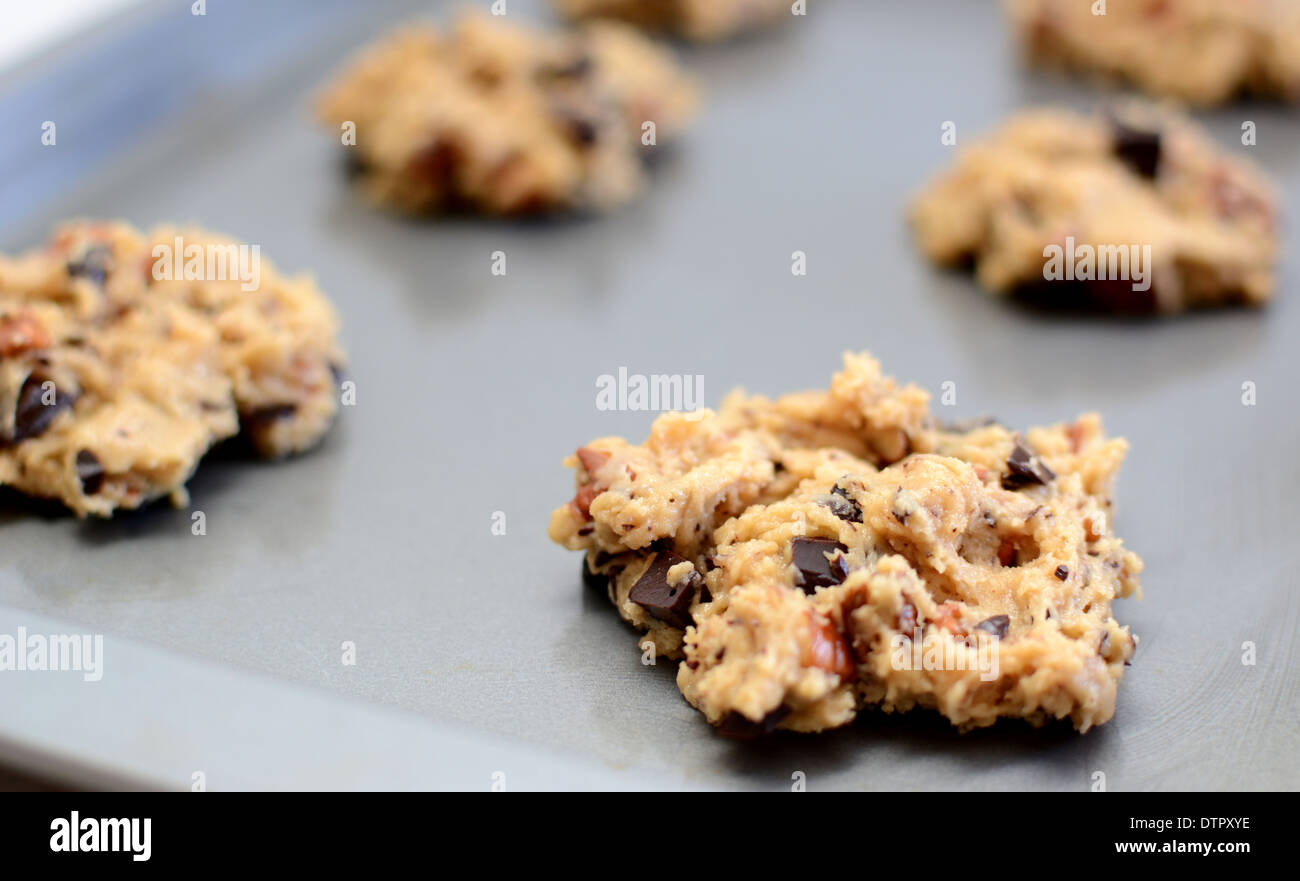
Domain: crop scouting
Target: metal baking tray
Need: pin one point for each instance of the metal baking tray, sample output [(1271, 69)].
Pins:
[(479, 658)]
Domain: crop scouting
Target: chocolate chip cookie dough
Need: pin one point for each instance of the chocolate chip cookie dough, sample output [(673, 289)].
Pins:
[(501, 119), (805, 556), (117, 374), (703, 20), (1200, 51), (1144, 212)]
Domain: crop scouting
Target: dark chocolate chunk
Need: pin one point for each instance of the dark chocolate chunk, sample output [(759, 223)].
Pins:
[(1062, 572), (1138, 148), (256, 426), (581, 127), (739, 727), (436, 163), (995, 626), (594, 580), (1008, 553), (93, 264), (842, 506), (91, 472), (33, 413), (1025, 469), (667, 602), (258, 420), (813, 569)]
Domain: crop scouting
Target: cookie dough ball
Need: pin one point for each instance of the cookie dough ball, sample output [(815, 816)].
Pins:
[(1132, 210), (819, 554), (1199, 51), (124, 357), (496, 118)]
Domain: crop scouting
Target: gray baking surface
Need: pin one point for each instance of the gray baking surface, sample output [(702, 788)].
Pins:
[(472, 387)]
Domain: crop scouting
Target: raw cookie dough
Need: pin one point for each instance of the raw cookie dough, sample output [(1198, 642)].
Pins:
[(501, 119), (703, 20), (1201, 51), (786, 548), (113, 383), (1130, 178)]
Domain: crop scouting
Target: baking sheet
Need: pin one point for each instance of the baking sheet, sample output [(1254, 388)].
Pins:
[(471, 387)]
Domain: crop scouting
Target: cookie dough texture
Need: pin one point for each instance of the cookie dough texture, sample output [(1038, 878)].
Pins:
[(1131, 177), (787, 549), (497, 118), (1199, 51), (703, 20), (114, 383)]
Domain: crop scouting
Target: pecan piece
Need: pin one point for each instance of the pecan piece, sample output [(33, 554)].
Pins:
[(591, 461), (21, 333), (829, 650), (948, 616)]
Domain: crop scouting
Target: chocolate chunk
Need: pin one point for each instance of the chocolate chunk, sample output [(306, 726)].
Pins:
[(272, 413), (93, 264), (1137, 148), (581, 127), (1008, 553), (257, 426), (995, 626), (1025, 469), (739, 727), (842, 506), (91, 472), (667, 602), (436, 163), (1062, 572), (33, 415), (813, 569), (259, 420), (594, 580)]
